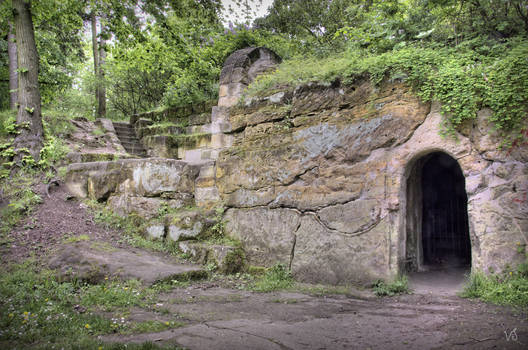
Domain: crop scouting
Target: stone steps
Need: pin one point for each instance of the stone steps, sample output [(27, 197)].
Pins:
[(127, 136)]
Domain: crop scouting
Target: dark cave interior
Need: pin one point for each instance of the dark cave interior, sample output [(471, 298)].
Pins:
[(445, 231)]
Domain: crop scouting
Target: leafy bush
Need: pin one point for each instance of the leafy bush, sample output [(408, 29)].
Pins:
[(21, 199), (53, 152)]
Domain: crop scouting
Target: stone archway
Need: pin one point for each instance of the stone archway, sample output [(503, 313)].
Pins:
[(436, 225)]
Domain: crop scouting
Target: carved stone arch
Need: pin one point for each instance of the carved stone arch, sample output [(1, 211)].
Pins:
[(240, 69), (436, 226)]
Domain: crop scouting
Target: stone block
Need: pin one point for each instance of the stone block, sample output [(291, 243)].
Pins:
[(267, 235), (207, 197), (228, 259), (155, 232), (177, 233)]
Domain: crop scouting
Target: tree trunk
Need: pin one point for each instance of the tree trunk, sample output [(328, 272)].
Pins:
[(95, 48), (101, 94), (29, 118), (13, 74)]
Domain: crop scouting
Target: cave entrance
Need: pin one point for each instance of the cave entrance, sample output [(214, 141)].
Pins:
[(436, 219)]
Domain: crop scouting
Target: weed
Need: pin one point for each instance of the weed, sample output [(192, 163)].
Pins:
[(98, 132), (322, 290), (399, 286), (218, 229), (284, 301), (53, 152)]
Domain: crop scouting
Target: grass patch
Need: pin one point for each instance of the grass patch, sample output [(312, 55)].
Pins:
[(320, 290), (284, 301), (399, 286), (38, 311), (75, 239), (276, 278), (508, 289), (133, 227), (152, 326)]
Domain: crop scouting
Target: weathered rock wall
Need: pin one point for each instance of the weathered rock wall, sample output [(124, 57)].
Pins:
[(317, 178), (325, 179)]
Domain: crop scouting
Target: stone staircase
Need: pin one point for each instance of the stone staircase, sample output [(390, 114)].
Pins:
[(127, 136), (186, 133), (174, 191)]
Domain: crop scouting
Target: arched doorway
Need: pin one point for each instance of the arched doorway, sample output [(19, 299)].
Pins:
[(437, 230)]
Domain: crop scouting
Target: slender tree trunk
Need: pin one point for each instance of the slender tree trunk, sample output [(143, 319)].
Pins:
[(101, 94), (95, 48), (13, 74), (29, 117)]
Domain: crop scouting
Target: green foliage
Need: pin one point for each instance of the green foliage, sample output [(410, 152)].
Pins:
[(276, 278), (7, 123), (19, 196), (218, 229), (463, 79), (399, 286), (37, 311), (53, 151), (133, 228), (507, 289)]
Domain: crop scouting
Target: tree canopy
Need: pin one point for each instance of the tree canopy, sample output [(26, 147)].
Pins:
[(165, 52)]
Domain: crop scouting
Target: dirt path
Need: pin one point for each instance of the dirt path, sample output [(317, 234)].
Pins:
[(441, 282), (221, 318), (56, 218)]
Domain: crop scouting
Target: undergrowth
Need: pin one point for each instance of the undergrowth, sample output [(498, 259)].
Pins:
[(37, 311), (399, 286), (17, 194), (133, 228), (475, 74), (510, 288)]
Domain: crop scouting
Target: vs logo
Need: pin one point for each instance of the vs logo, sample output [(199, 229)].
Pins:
[(512, 336)]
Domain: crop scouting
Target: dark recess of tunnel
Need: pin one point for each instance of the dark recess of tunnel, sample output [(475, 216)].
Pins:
[(445, 230)]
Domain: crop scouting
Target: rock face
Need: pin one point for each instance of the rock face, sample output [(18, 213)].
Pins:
[(326, 179), (140, 186), (321, 178), (92, 263)]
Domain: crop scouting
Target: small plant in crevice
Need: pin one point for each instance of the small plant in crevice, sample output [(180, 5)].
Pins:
[(216, 234), (400, 285), (218, 229)]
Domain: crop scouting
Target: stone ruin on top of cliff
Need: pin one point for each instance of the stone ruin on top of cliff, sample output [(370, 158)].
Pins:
[(340, 183)]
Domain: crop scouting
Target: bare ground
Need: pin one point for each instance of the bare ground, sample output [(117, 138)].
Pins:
[(55, 219), (218, 315), (219, 318)]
